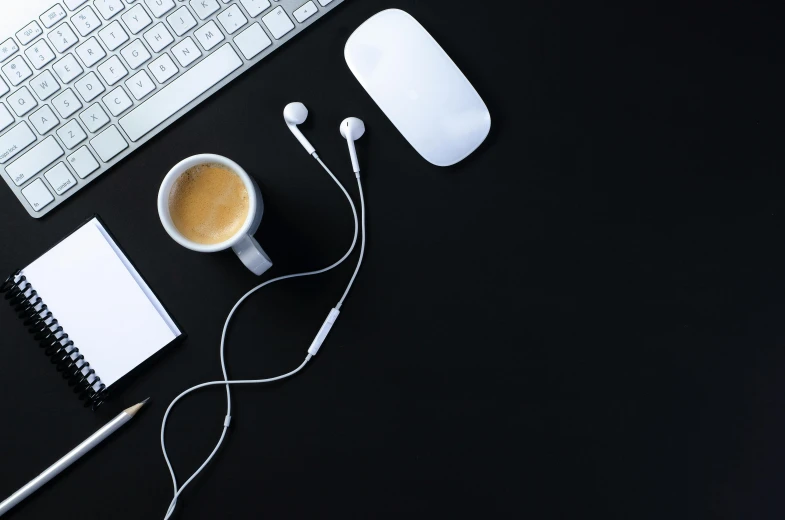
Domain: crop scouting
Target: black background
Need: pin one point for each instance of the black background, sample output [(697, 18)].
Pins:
[(583, 318)]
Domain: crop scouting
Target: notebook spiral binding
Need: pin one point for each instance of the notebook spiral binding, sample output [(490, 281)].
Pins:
[(45, 329)]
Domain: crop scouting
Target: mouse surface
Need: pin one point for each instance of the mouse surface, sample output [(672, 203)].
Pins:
[(418, 87)]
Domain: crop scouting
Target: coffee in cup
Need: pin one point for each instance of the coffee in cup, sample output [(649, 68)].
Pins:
[(208, 203)]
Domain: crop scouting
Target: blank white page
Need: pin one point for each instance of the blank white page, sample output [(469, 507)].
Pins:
[(101, 302)]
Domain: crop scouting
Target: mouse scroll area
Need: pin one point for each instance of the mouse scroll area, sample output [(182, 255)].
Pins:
[(418, 87)]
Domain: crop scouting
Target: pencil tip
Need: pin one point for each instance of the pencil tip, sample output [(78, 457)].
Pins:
[(135, 408)]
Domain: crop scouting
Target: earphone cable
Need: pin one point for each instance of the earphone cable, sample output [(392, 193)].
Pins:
[(362, 241), (226, 381)]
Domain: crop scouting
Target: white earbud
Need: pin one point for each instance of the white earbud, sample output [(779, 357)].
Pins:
[(351, 130), (295, 114)]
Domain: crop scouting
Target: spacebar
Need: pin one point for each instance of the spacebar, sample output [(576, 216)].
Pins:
[(181, 92)]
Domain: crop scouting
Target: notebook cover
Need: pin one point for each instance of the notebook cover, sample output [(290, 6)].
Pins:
[(128, 378)]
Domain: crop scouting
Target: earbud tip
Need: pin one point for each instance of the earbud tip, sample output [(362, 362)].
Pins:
[(352, 126), (295, 113)]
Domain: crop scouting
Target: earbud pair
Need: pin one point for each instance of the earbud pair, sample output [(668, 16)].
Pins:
[(352, 129)]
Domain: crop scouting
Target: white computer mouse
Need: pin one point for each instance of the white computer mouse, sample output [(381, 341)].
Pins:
[(418, 87)]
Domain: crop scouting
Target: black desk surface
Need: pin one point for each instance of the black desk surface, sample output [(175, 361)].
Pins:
[(584, 316)]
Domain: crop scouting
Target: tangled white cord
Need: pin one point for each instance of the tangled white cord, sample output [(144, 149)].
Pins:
[(226, 381)]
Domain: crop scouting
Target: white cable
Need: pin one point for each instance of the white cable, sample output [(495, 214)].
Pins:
[(226, 381), (223, 433), (362, 242)]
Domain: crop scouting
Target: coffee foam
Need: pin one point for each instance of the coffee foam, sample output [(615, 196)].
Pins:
[(209, 204)]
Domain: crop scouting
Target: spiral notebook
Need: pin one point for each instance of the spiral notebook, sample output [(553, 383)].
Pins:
[(90, 310)]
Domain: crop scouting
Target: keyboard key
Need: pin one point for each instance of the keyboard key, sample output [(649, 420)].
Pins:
[(17, 71), (94, 118), (86, 21), (73, 4), (5, 117), (117, 101), (112, 70), (7, 48), (252, 41), (160, 7), (39, 54), (304, 12), (109, 8), (278, 22), (22, 102), (255, 7), (44, 119), (193, 83), (163, 68), (113, 35), (63, 38), (45, 85), (68, 69), (158, 37), (37, 195), (71, 134), (232, 19), (14, 141), (323, 3), (90, 87), (66, 103), (186, 52), (3, 87), (135, 54), (90, 52), (60, 179), (52, 16), (109, 143), (204, 8), (140, 85), (181, 21), (29, 33), (137, 19), (33, 161), (83, 162), (209, 35)]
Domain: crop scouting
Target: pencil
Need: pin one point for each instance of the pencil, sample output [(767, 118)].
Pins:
[(71, 457)]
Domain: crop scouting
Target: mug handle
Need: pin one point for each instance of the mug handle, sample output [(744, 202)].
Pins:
[(252, 255)]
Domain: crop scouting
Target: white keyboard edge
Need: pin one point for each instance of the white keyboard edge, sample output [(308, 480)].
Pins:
[(289, 5)]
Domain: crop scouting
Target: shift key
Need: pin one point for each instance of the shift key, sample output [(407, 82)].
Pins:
[(14, 141), (39, 157)]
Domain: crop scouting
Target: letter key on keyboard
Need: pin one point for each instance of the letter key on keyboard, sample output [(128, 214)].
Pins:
[(180, 92)]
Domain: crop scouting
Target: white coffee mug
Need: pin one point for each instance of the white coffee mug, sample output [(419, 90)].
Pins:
[(243, 243)]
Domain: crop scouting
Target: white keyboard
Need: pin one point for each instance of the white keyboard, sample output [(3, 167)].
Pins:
[(86, 82)]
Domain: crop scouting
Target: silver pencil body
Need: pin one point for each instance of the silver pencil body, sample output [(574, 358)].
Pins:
[(71, 457)]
